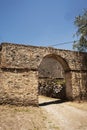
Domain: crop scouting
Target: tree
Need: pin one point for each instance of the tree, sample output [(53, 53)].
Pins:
[(81, 24)]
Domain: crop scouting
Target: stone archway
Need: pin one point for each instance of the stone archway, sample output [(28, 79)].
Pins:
[(19, 72), (54, 68)]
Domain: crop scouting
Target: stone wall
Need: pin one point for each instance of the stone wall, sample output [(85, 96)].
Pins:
[(21, 56), (79, 82), (18, 87), (19, 72)]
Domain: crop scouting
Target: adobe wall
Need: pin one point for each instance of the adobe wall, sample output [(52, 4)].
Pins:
[(19, 72)]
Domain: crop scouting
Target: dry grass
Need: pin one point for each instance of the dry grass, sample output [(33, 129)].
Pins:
[(21, 118), (24, 118), (82, 105), (30, 118)]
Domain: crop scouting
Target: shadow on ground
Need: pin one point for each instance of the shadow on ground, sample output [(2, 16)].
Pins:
[(52, 102)]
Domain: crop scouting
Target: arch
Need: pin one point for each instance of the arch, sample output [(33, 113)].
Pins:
[(66, 69), (62, 61)]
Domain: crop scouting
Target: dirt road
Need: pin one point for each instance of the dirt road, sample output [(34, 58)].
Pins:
[(62, 116)]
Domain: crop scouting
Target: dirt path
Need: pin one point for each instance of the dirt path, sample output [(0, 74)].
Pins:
[(62, 116)]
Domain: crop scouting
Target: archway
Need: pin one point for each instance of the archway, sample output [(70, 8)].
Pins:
[(54, 77)]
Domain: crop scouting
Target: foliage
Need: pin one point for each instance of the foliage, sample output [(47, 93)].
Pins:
[(52, 88), (81, 24)]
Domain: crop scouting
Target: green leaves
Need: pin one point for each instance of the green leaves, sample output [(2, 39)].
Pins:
[(81, 45), (81, 23)]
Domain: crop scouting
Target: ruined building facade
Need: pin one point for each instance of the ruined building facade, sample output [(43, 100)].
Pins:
[(19, 66)]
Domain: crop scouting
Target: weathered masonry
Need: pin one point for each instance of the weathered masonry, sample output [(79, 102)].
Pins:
[(19, 72)]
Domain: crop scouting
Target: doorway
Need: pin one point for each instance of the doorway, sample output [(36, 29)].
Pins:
[(52, 77)]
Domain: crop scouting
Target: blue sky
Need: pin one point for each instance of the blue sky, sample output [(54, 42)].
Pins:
[(39, 22)]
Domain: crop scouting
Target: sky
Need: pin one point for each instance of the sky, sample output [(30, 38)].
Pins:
[(40, 22)]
